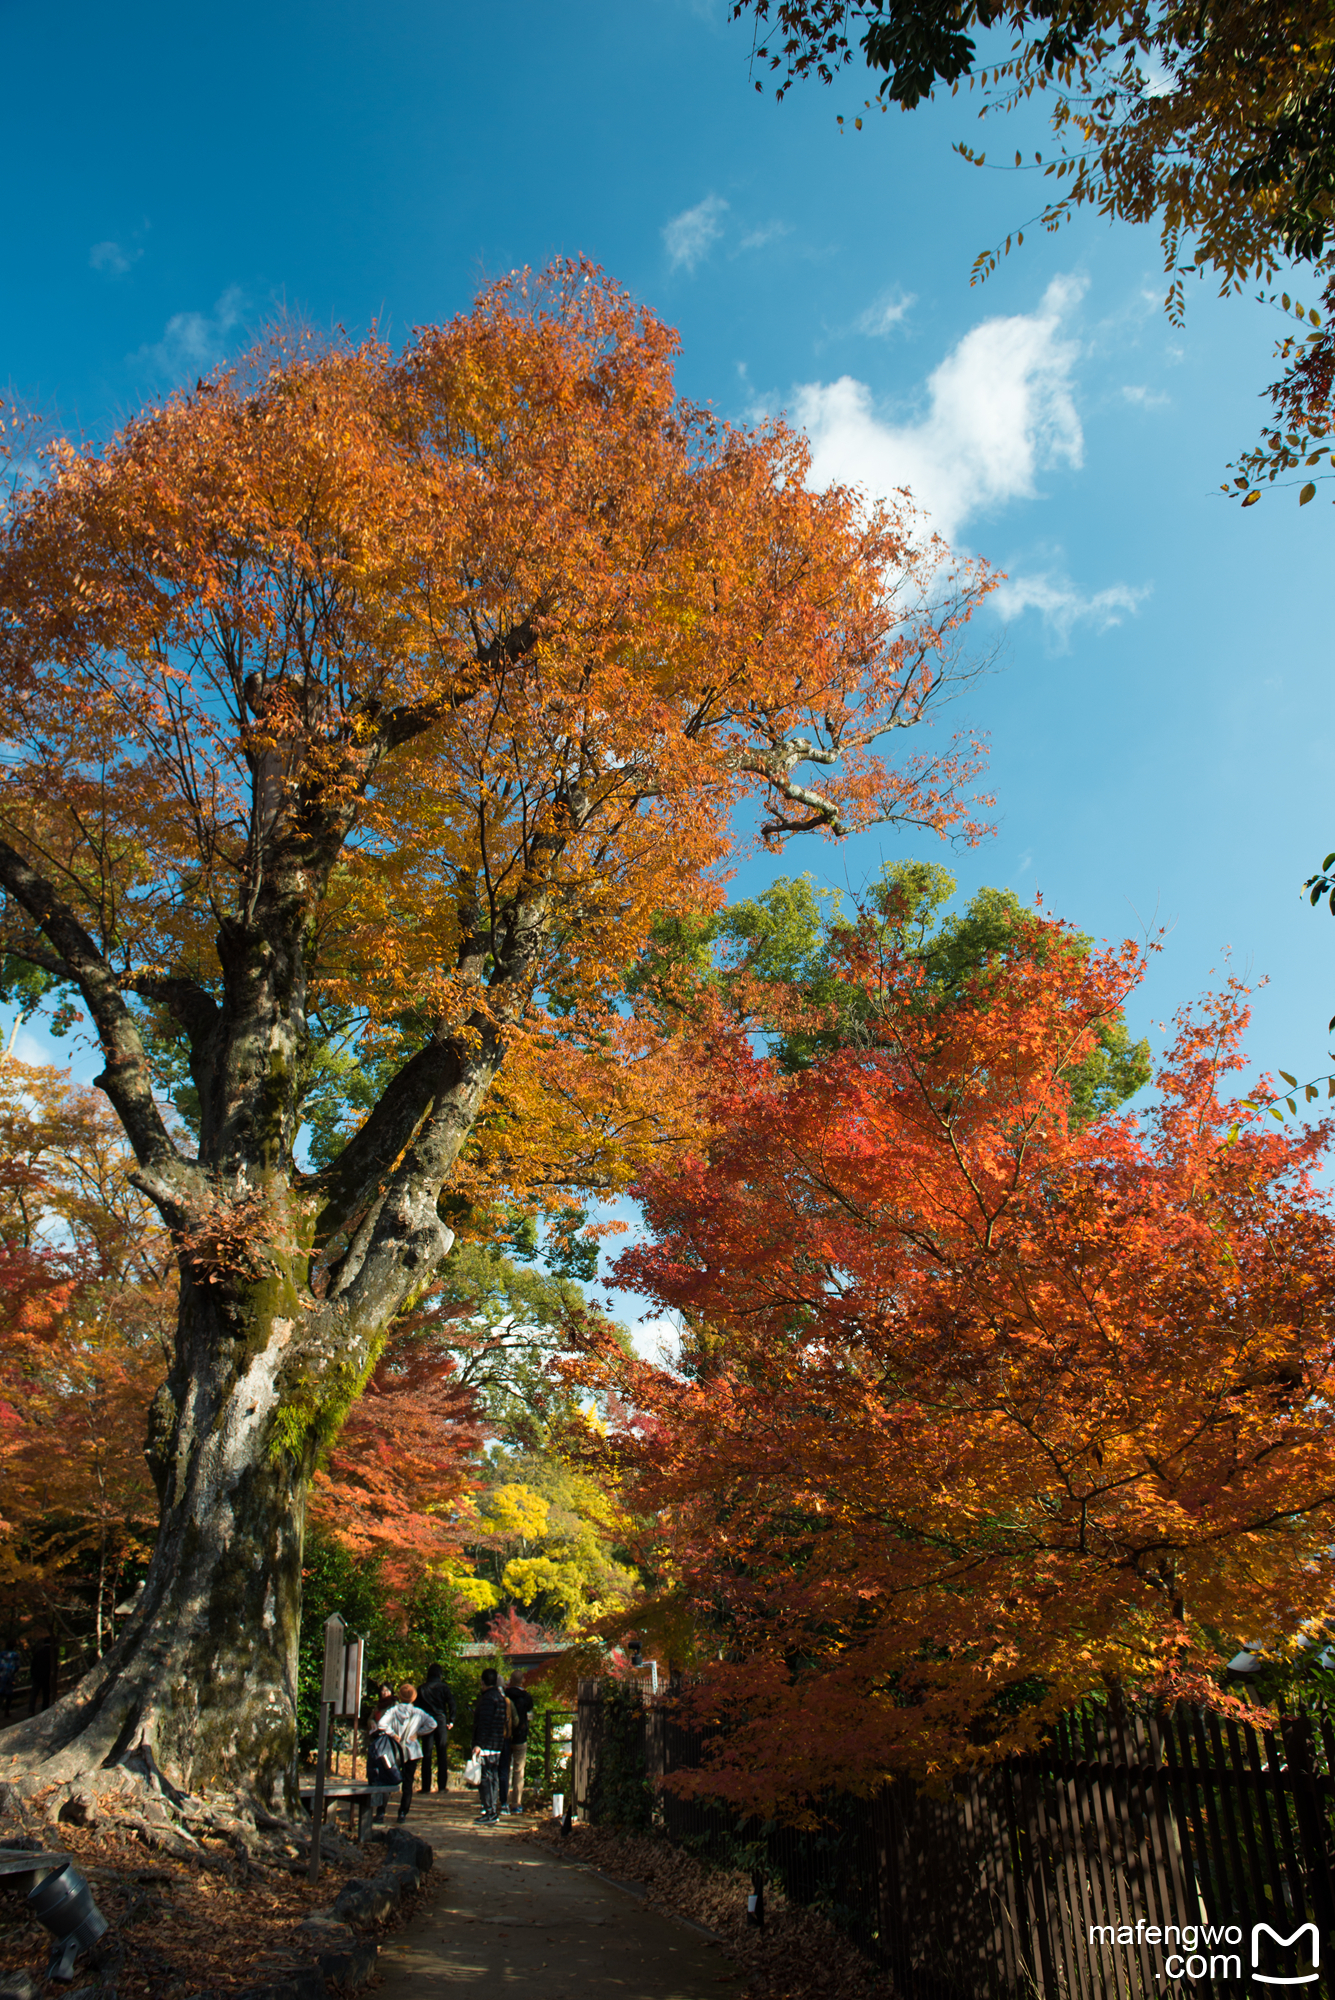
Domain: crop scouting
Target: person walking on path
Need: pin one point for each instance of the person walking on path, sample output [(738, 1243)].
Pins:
[(521, 1706), (10, 1662), (491, 1728), (406, 1724), (384, 1769), (435, 1697), (42, 1667)]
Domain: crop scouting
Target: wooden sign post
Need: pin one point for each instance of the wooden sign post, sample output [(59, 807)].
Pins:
[(350, 1704), (331, 1695)]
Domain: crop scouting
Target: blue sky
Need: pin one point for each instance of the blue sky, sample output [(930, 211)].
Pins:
[(1159, 711)]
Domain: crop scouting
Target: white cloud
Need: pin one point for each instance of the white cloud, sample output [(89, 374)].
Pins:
[(193, 343), (1143, 398), (769, 232), (690, 235), (113, 258), (23, 1046), (657, 1340), (1000, 409), (1062, 606), (884, 314)]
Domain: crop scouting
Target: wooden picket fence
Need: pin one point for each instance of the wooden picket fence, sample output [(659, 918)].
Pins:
[(1022, 1879)]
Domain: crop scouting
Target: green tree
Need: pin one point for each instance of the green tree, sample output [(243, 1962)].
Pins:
[(790, 937), (506, 1326), (404, 1631)]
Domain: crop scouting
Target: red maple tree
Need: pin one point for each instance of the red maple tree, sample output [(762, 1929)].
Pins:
[(513, 1633), (979, 1408), (394, 1483)]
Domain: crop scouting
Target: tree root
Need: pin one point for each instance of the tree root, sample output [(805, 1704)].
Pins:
[(134, 1798), (198, 1891)]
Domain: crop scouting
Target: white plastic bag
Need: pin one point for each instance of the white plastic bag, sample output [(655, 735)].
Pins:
[(473, 1771)]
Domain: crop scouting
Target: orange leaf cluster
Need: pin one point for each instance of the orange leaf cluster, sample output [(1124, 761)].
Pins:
[(86, 1302), (397, 1478)]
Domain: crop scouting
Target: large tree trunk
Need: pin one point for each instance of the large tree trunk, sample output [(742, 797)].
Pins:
[(201, 1687), (202, 1683)]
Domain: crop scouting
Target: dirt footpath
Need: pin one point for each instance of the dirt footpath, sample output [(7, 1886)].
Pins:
[(503, 1913)]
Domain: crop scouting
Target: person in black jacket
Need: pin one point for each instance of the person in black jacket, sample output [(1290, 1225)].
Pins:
[(491, 1722), (435, 1697), (42, 1668)]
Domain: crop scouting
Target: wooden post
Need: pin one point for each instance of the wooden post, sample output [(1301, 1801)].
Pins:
[(331, 1689), (547, 1751), (317, 1803), (350, 1696)]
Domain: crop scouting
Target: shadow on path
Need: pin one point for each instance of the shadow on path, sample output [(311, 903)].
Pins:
[(503, 1913)]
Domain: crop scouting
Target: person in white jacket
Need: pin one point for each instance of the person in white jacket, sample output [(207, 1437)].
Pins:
[(406, 1725)]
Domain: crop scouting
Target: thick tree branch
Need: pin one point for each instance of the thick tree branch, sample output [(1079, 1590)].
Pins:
[(34, 954), (397, 726), (350, 1182), (164, 1175), (409, 1240), (189, 1004)]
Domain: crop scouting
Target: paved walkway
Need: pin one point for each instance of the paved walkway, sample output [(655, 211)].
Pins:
[(501, 1913)]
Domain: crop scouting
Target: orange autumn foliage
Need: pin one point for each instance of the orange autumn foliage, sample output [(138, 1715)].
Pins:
[(522, 622), (87, 1295), (401, 1471), (978, 1410)]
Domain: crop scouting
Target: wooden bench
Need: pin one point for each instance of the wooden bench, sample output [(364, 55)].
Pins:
[(359, 1796), (18, 1863)]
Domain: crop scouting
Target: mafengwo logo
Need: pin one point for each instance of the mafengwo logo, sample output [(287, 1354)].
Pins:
[(1276, 1960), (1266, 1943)]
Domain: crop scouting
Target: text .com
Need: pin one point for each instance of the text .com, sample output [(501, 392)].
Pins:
[(1195, 1953)]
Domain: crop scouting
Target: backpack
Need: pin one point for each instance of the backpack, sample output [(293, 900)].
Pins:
[(386, 1752)]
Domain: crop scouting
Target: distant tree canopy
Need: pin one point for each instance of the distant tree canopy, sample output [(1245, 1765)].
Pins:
[(506, 1325), (759, 955), (549, 1540)]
